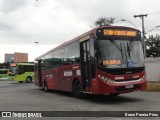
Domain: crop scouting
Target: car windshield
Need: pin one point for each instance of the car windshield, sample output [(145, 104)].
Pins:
[(120, 53)]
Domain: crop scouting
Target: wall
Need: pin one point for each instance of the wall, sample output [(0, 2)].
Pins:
[(153, 69)]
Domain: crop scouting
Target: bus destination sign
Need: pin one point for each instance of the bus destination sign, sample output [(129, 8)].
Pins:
[(130, 33)]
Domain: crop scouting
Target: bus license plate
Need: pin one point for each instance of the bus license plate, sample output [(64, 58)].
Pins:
[(129, 86)]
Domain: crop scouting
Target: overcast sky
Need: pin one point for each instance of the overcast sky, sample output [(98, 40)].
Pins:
[(52, 22)]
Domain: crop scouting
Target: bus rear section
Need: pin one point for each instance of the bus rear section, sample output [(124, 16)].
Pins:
[(3, 74), (105, 60), (22, 72)]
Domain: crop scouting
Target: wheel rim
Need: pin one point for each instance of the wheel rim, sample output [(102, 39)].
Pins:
[(28, 80)]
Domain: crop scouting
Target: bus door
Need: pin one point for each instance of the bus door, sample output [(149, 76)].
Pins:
[(85, 65), (40, 72)]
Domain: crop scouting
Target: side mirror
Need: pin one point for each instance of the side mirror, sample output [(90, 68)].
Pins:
[(95, 44)]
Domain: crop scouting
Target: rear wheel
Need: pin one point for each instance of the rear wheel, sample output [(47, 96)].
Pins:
[(77, 89), (45, 87), (20, 81)]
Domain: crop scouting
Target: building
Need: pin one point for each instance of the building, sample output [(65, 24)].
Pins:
[(16, 57), (20, 57), (9, 58)]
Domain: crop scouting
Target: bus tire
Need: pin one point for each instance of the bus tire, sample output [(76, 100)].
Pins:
[(20, 81), (114, 94), (28, 80), (77, 90), (45, 87)]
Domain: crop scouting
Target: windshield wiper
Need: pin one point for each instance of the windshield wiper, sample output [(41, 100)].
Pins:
[(128, 50), (116, 45), (129, 47), (131, 44)]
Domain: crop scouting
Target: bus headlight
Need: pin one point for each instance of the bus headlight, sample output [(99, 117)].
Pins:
[(105, 79), (143, 77)]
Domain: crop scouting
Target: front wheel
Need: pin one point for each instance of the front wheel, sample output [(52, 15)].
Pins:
[(114, 94), (77, 90)]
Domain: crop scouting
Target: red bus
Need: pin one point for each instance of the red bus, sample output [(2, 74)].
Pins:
[(104, 60)]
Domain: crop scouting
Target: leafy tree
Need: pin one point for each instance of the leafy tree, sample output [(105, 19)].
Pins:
[(104, 21), (153, 46)]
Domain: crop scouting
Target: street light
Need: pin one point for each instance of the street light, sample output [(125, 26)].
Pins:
[(36, 44), (153, 29), (129, 22)]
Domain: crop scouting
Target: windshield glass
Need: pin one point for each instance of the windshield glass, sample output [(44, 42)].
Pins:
[(120, 53), (13, 70)]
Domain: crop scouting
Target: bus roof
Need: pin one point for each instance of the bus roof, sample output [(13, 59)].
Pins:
[(92, 31), (27, 63)]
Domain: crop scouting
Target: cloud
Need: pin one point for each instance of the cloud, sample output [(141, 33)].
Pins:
[(52, 22), (11, 5)]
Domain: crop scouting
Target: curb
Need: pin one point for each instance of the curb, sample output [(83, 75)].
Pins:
[(153, 87)]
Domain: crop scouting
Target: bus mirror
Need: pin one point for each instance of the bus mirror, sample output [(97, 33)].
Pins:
[(95, 44), (96, 53)]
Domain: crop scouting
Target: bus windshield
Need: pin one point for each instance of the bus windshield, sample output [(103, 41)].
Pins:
[(13, 70), (120, 53)]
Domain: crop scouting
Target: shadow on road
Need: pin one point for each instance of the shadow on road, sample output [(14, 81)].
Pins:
[(101, 99), (106, 99)]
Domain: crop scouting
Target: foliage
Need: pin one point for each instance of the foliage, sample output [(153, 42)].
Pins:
[(104, 21), (153, 46)]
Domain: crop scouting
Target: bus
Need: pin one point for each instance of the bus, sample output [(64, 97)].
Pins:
[(21, 72), (107, 60), (3, 73)]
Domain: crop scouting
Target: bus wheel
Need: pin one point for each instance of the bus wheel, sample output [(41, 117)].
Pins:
[(114, 94), (77, 89), (20, 81), (45, 87), (28, 80)]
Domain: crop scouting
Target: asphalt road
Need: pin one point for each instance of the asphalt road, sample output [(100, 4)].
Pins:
[(27, 97)]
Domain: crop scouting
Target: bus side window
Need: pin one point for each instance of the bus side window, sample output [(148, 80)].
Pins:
[(30, 68), (21, 70)]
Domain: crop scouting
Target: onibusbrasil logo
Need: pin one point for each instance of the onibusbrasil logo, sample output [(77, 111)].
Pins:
[(21, 114)]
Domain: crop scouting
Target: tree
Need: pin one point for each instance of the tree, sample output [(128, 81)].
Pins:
[(153, 46), (104, 21)]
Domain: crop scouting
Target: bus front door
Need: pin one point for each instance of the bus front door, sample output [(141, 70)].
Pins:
[(85, 65)]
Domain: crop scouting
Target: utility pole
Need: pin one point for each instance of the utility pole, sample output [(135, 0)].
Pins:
[(143, 31)]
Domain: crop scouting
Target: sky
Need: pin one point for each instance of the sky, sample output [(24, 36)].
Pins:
[(52, 22)]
